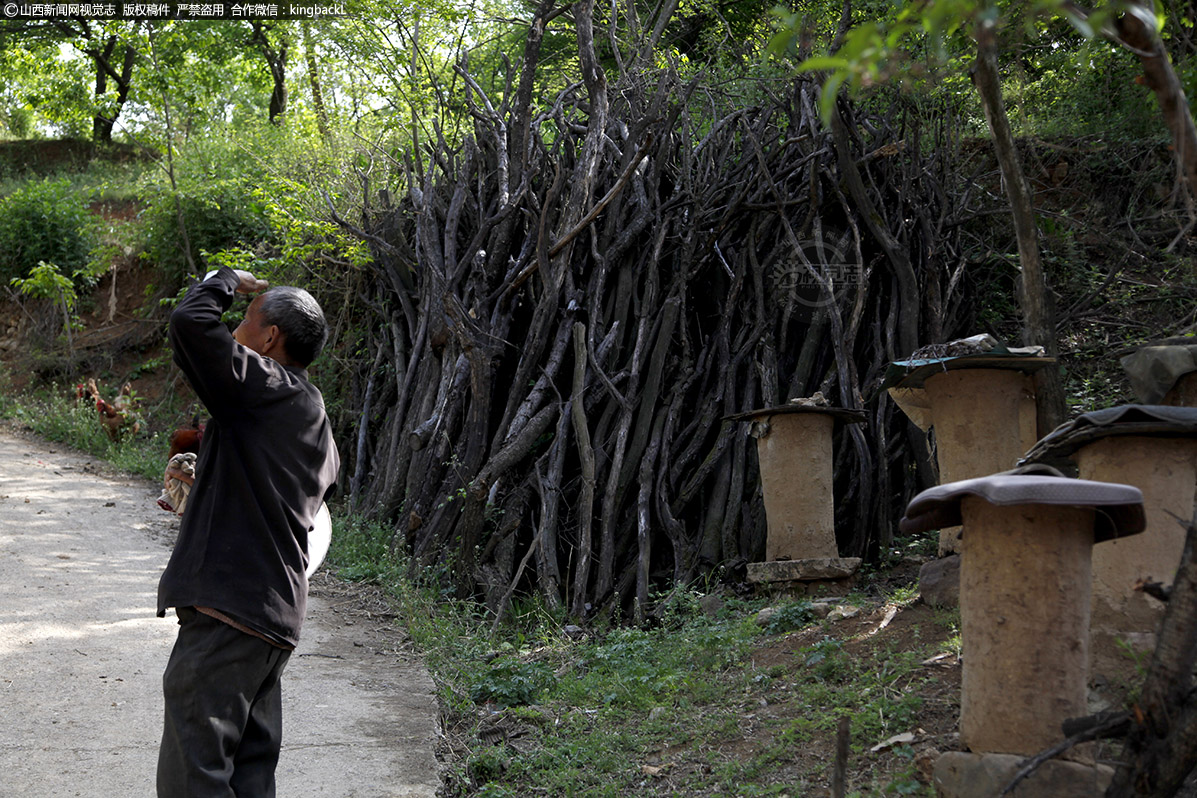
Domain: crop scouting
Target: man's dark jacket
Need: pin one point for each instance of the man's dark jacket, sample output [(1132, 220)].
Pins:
[(267, 462)]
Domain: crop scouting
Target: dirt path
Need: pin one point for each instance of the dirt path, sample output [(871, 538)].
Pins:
[(82, 653)]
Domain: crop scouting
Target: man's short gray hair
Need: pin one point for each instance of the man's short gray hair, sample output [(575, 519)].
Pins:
[(300, 318)]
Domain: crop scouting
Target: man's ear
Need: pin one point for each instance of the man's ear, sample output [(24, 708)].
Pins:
[(274, 345)]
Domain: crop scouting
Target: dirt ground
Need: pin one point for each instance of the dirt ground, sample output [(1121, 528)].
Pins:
[(82, 652)]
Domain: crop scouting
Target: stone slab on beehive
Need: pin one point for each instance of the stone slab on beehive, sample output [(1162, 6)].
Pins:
[(807, 570), (961, 774)]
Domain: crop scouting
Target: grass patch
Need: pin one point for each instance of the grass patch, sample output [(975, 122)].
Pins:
[(57, 417), (705, 702)]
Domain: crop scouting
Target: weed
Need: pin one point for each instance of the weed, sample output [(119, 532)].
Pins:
[(149, 366), (789, 617), (678, 607), (902, 596), (827, 659), (511, 683), (58, 418), (905, 781), (487, 765), (949, 619)]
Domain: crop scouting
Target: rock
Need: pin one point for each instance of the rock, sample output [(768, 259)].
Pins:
[(710, 605), (821, 608), (924, 764), (803, 570), (764, 616), (939, 581), (960, 774), (843, 611)]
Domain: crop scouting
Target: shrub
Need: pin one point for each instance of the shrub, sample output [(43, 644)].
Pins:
[(511, 683), (44, 221), (218, 215)]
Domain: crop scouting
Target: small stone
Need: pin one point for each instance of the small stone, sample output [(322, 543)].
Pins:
[(710, 605), (843, 611), (821, 607), (939, 582), (764, 616)]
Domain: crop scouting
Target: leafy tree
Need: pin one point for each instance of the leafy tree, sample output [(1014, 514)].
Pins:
[(107, 45), (272, 42), (929, 33), (45, 281)]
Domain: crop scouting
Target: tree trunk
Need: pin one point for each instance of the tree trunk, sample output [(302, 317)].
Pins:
[(1035, 299), (1161, 78), (276, 60), (102, 125), (1161, 747), (309, 54)]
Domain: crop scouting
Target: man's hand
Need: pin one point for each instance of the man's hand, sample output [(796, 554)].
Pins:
[(173, 472), (250, 284)]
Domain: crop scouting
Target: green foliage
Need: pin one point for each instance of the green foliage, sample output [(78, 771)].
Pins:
[(361, 551), (46, 221), (251, 198), (906, 783), (59, 417), (50, 89), (909, 43), (790, 616), (511, 683), (219, 214), (827, 659), (45, 281), (487, 765), (1083, 88)]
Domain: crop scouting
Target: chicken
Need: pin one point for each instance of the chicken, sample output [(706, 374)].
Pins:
[(117, 416), (186, 439)]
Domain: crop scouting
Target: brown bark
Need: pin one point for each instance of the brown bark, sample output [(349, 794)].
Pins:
[(590, 224), (102, 126), (309, 55), (1035, 299), (275, 54), (1161, 747), (1162, 79), (586, 455)]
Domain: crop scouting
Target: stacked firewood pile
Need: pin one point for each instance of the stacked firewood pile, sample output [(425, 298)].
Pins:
[(570, 301)]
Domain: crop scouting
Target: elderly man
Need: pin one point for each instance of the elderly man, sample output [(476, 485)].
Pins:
[(236, 577)]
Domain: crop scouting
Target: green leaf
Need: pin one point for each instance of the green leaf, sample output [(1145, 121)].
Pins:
[(831, 88), (1080, 23), (824, 62)]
